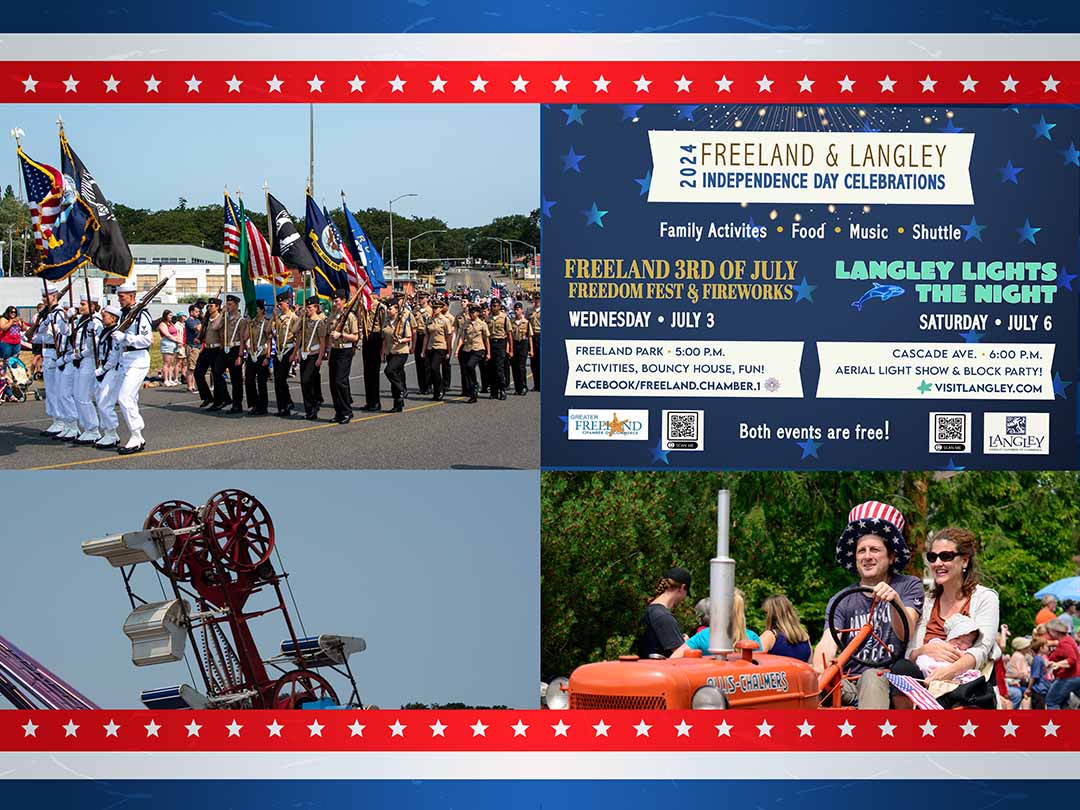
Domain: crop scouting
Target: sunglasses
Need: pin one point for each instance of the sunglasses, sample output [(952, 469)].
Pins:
[(944, 556)]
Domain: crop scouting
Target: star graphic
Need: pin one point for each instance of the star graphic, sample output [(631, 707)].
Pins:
[(644, 182), (969, 729), (846, 729), (887, 84), (438, 729), (953, 466), (30, 84), (546, 205), (601, 729), (809, 449), (560, 84), (686, 113), (928, 729), (397, 84), (479, 729), (1009, 729), (683, 729), (805, 729), (356, 84), (574, 114), (642, 84), (723, 84), (594, 216), (1050, 84), (659, 453), (806, 84), (560, 729), (193, 84), (1065, 279), (601, 84), (356, 729), (630, 111), (1072, 155), (1060, 385), (152, 729), (764, 84), (1009, 83), (397, 729), (275, 728), (951, 128), (969, 84), (274, 83), (971, 336), (315, 84), (438, 84), (111, 729), (479, 84), (111, 84), (315, 729), (973, 230), (1042, 129), (642, 729), (616, 425), (683, 84), (847, 84), (924, 387), (152, 84), (1050, 729), (724, 729), (71, 84), (765, 729), (520, 84), (1027, 232), (71, 730), (804, 291), (887, 729), (234, 728), (1009, 173), (928, 84), (30, 729), (234, 84), (519, 728), (571, 161)]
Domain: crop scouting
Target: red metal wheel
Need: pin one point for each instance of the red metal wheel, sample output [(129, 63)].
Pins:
[(300, 686), (157, 514), (238, 530), (189, 550)]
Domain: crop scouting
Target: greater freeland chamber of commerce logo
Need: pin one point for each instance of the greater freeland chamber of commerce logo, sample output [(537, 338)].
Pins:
[(1016, 433), (608, 425)]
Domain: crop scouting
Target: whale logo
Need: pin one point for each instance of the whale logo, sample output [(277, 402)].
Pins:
[(882, 291)]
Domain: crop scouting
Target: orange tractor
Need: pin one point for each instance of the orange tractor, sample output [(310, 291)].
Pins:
[(729, 676)]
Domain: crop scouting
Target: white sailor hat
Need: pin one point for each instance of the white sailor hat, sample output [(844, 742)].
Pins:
[(52, 289), (84, 298), (113, 309), (126, 287)]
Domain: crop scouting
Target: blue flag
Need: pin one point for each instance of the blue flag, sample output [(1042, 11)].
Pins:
[(363, 251), (59, 218), (321, 237)]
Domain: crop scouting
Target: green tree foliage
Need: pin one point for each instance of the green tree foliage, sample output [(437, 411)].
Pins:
[(607, 537), (14, 223)]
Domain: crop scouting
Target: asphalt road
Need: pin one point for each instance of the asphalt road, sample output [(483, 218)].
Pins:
[(452, 434)]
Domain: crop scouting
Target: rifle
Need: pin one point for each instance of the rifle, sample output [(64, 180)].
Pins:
[(349, 309), (206, 319), (45, 312), (142, 304)]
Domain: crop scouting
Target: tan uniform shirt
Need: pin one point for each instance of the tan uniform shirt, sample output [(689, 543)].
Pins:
[(234, 330), (520, 330), (374, 319), (310, 335), (284, 329), (421, 321), (260, 331), (397, 343), (473, 337), (351, 327), (214, 328), (499, 326), (534, 322), (441, 333)]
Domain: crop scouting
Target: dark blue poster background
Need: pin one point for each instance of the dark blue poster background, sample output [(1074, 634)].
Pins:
[(596, 174)]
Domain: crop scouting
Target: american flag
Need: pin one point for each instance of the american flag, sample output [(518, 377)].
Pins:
[(914, 690), (232, 230), (355, 273), (260, 263), (44, 192), (496, 291)]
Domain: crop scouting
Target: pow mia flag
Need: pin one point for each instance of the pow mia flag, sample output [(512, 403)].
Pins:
[(107, 249), (286, 242)]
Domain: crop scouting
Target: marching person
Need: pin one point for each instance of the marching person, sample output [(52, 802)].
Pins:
[(108, 379), (501, 348), (485, 367), (213, 339), (521, 334), (344, 335), (534, 355), (439, 339), (312, 338), (65, 372), (285, 324), (372, 323), (474, 349), (232, 356), (192, 344), (86, 350), (461, 322), (257, 366), (422, 316), (133, 365), (45, 337), (397, 341)]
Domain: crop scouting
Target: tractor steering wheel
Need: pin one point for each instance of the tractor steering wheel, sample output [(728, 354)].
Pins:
[(841, 643)]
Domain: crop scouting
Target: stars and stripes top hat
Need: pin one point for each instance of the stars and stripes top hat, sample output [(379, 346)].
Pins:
[(873, 517)]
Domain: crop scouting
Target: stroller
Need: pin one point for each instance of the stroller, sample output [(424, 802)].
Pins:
[(14, 380)]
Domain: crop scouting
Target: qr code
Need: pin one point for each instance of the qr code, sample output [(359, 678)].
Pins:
[(950, 432), (684, 430), (950, 428), (1015, 425), (682, 425)]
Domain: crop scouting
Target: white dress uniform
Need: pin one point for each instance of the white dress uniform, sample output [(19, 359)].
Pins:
[(85, 341), (66, 372), (45, 336), (108, 388), (134, 344)]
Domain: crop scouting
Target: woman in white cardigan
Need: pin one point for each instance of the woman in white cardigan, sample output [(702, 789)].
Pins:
[(956, 590)]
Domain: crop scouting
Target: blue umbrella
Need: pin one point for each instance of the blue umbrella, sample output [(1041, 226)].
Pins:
[(1068, 588)]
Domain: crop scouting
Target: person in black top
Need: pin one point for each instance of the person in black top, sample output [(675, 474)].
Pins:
[(662, 635)]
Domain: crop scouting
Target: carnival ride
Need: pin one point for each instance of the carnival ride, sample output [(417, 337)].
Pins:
[(27, 684), (216, 559)]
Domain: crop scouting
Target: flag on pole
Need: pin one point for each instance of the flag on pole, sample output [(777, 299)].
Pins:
[(232, 230), (247, 284), (326, 248), (362, 250), (918, 693), (58, 217), (285, 241), (353, 271)]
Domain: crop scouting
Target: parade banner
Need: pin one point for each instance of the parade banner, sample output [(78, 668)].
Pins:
[(811, 287)]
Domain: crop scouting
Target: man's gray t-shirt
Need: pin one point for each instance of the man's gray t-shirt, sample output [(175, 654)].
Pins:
[(853, 611), (662, 634)]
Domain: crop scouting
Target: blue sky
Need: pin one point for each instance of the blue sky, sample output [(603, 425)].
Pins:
[(468, 163), (438, 571)]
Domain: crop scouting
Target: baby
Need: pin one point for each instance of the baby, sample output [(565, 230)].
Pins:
[(960, 633)]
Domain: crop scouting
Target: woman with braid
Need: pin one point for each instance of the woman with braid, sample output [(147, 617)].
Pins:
[(662, 635)]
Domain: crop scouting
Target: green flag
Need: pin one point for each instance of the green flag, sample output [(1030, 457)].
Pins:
[(246, 282)]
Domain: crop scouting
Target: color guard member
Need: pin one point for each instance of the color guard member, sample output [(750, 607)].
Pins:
[(397, 341), (232, 358), (312, 341), (474, 349), (285, 325), (257, 366), (344, 335)]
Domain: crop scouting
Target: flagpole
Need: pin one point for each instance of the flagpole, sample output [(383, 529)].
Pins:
[(311, 149), (270, 239), (225, 253)]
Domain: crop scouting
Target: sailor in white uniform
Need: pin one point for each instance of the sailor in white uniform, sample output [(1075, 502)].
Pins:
[(84, 342), (45, 337), (108, 379), (134, 364), (65, 374)]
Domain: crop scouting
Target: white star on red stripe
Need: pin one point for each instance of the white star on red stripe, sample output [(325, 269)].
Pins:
[(601, 84), (234, 728), (356, 84), (479, 729), (315, 729), (806, 84), (438, 729), (398, 729), (560, 84), (723, 84), (847, 84), (193, 84), (1050, 84), (438, 84), (111, 729), (234, 84), (969, 84), (71, 84), (520, 728), (764, 84), (601, 729), (30, 729), (560, 729), (683, 729), (887, 84), (764, 729), (71, 730), (275, 84), (193, 729), (356, 729), (642, 729), (805, 729), (683, 84), (846, 729), (111, 84), (519, 84), (152, 84), (642, 84), (479, 85), (397, 84), (30, 84), (928, 84)]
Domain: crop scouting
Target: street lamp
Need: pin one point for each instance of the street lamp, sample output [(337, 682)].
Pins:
[(410, 241), (400, 197), (531, 247)]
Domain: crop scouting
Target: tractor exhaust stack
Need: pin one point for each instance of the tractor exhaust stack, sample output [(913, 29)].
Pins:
[(721, 580)]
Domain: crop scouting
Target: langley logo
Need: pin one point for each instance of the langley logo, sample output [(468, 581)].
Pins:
[(608, 425), (1016, 433)]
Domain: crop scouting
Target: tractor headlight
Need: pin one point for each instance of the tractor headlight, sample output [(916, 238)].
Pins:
[(556, 697), (709, 697)]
